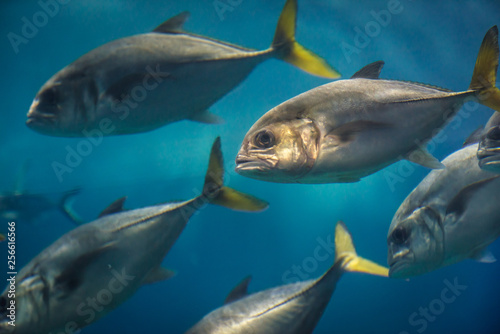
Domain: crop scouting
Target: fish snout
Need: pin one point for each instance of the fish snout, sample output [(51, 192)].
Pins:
[(488, 152), (255, 162)]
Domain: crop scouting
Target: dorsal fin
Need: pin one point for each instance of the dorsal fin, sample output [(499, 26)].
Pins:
[(370, 71), (115, 207), (474, 137), (239, 291), (173, 24)]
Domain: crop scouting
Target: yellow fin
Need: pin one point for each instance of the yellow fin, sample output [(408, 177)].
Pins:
[(345, 252), (289, 50), (485, 71), (233, 199), (215, 192)]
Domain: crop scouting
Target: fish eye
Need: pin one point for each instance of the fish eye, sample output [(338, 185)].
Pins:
[(265, 139), (494, 133), (49, 97), (400, 235)]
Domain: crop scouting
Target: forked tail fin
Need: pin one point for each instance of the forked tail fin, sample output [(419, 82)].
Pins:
[(215, 191), (65, 205), (287, 48), (485, 71), (345, 252)]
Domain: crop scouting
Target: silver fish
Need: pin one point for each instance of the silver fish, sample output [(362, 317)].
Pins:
[(348, 129), (146, 81), (452, 215), (488, 152), (94, 268), (293, 308)]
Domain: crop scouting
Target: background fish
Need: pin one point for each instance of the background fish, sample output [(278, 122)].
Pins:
[(348, 129), (143, 82), (452, 215), (108, 259), (20, 205), (293, 308)]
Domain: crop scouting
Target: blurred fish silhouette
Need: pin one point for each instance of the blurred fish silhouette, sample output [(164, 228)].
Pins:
[(348, 129), (293, 308), (452, 215), (19, 205), (146, 81), (117, 254)]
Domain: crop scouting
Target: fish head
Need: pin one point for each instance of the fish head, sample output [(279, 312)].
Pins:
[(488, 152), (63, 105), (415, 243), (280, 151), (26, 304)]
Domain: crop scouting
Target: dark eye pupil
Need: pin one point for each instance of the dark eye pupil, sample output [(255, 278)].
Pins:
[(49, 97), (264, 139), (400, 235), (494, 133)]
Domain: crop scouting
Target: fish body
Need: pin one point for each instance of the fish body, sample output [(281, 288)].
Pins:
[(94, 268), (488, 152), (348, 129), (140, 83), (452, 215), (293, 308)]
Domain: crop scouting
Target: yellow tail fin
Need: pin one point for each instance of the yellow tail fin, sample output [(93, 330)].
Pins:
[(289, 50), (215, 192), (485, 72), (345, 252)]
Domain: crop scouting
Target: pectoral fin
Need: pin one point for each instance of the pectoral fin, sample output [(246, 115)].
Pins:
[(347, 132), (72, 276), (239, 291), (121, 89), (459, 203), (158, 274), (422, 157), (206, 117), (484, 256)]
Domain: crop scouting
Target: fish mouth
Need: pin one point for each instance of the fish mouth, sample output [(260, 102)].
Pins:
[(489, 157), (398, 261), (259, 163)]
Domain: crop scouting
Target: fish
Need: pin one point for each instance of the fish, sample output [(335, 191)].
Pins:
[(143, 82), (488, 152), (348, 129), (95, 267), (452, 215), (20, 205), (293, 308)]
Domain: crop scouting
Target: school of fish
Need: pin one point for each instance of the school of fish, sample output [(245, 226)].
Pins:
[(339, 132)]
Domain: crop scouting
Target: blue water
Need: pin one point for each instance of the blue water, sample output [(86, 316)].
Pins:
[(431, 42)]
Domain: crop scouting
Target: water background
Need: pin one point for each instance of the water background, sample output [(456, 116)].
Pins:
[(433, 42)]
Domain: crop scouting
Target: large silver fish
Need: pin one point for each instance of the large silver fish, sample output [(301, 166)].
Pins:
[(293, 308), (348, 129), (452, 215), (488, 152), (146, 81), (94, 268)]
